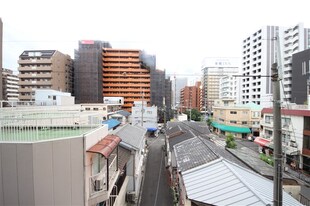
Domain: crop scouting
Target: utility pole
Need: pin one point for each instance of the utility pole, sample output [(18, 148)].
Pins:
[(277, 138), (142, 109), (164, 112)]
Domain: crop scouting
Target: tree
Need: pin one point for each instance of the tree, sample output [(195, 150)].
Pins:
[(196, 116), (230, 141)]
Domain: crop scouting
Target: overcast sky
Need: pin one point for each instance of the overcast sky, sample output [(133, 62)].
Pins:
[(180, 33)]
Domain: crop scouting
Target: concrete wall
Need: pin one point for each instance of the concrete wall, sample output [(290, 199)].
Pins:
[(42, 173)]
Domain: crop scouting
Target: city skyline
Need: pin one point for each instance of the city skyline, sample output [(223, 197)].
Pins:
[(180, 34)]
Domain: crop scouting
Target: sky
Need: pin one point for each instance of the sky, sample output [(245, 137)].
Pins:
[(180, 33)]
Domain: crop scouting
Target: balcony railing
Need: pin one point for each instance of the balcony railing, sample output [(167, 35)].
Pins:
[(98, 182)]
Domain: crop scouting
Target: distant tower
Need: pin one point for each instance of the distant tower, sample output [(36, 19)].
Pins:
[(212, 70)]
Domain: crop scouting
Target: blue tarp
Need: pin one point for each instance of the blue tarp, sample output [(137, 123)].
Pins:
[(111, 123), (151, 129)]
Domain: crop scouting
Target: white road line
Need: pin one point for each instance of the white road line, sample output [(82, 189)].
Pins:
[(161, 163)]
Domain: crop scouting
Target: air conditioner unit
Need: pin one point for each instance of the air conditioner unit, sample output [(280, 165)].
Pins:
[(131, 197), (97, 185)]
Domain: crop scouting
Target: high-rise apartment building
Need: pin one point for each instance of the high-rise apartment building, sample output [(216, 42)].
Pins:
[(258, 54), (266, 46), (125, 75), (88, 71), (10, 85), (1, 35), (293, 40), (44, 69), (212, 70)]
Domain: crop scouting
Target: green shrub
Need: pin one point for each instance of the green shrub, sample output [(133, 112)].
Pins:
[(230, 141), (267, 159)]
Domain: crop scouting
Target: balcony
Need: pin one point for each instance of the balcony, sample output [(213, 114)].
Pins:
[(145, 75), (35, 68), (35, 75), (100, 185), (34, 61), (132, 70), (120, 54)]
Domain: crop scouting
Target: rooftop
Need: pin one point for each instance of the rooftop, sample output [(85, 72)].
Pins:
[(32, 125)]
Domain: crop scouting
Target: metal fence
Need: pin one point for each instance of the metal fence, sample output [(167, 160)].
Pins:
[(29, 126)]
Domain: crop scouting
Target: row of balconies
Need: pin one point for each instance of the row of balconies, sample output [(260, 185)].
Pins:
[(126, 89), (119, 60), (43, 83), (129, 64), (125, 70), (127, 84), (35, 68), (120, 54), (129, 80), (34, 61), (35, 75), (133, 95), (123, 76)]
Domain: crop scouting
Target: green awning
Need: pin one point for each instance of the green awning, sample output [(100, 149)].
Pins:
[(231, 128)]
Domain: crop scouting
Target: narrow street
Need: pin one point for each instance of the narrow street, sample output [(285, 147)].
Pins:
[(156, 190)]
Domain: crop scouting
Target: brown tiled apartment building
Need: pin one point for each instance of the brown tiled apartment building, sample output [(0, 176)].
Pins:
[(44, 69), (190, 97), (124, 75)]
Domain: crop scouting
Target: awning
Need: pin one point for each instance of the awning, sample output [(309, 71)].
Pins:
[(111, 123), (262, 141), (228, 128), (106, 145)]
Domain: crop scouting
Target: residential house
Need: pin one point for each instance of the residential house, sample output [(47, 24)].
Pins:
[(295, 125), (134, 146)]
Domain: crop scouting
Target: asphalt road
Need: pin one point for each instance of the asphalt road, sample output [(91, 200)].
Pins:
[(156, 190)]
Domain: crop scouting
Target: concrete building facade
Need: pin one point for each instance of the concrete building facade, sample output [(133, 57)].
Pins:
[(294, 39), (44, 69), (88, 71), (260, 50), (228, 87), (190, 97), (125, 75), (10, 85), (300, 77), (52, 160), (212, 70)]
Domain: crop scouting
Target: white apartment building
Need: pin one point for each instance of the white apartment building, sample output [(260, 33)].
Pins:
[(212, 71), (228, 87), (10, 85), (294, 39), (144, 116), (260, 50)]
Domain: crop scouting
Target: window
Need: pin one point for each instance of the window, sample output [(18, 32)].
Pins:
[(233, 122), (233, 112), (87, 109), (96, 109), (244, 122), (268, 119)]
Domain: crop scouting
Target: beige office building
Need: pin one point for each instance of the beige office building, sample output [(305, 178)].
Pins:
[(44, 69), (240, 120)]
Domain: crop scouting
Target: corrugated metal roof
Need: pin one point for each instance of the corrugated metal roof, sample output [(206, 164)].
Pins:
[(124, 113), (192, 153), (132, 135), (111, 123), (222, 182), (106, 145)]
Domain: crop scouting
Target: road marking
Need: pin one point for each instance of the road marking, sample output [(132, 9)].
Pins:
[(161, 163)]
